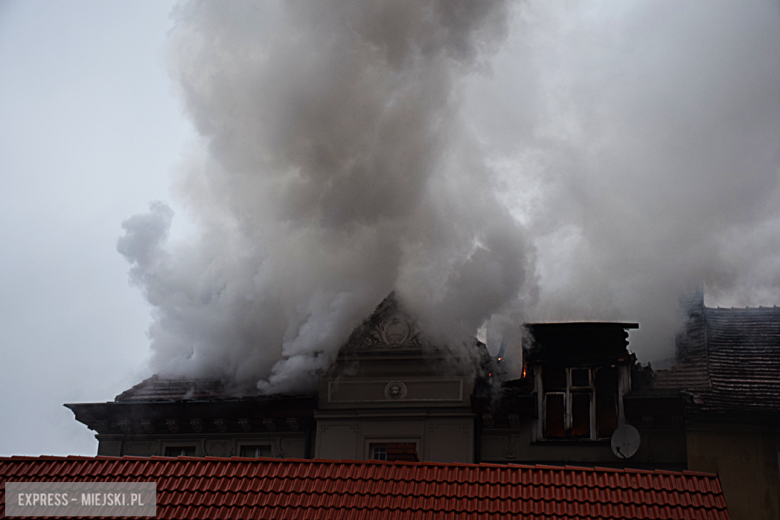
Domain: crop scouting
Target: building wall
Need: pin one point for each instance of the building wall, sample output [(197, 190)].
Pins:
[(282, 445), (386, 405), (745, 457), (664, 449), (439, 438)]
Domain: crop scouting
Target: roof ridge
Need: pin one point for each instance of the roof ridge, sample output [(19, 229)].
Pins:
[(746, 308)]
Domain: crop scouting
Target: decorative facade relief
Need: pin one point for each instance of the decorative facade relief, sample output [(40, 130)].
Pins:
[(172, 425), (221, 425), (218, 448), (395, 331), (388, 328), (293, 447), (197, 425), (141, 448), (395, 391), (276, 449)]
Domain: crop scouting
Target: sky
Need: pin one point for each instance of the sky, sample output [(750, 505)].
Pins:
[(90, 134), (224, 189)]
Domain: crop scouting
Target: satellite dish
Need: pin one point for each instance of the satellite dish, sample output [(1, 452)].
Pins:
[(625, 441)]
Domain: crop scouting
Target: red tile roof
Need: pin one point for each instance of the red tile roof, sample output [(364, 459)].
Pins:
[(322, 489)]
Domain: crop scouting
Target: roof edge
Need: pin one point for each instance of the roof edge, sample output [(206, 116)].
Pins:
[(244, 460)]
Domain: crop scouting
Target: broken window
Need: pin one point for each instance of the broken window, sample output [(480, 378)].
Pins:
[(555, 411), (606, 400), (579, 402)]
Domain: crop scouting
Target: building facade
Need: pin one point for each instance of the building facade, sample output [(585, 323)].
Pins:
[(391, 390)]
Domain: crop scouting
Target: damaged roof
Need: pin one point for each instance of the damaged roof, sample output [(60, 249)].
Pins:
[(728, 361), (274, 488), (156, 388), (588, 341)]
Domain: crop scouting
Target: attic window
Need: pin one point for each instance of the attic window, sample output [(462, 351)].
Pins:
[(578, 402), (378, 451), (253, 451), (180, 451), (394, 451)]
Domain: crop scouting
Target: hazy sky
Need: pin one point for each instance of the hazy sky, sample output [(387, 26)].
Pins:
[(495, 163), (89, 134)]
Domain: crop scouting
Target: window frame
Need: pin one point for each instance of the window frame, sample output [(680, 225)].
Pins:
[(376, 446), (181, 447), (369, 442), (568, 398), (243, 447)]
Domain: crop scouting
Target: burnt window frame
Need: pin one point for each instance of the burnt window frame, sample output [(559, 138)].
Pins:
[(568, 394)]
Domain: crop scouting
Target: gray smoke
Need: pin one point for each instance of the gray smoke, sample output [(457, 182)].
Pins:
[(492, 163), (651, 134), (338, 169)]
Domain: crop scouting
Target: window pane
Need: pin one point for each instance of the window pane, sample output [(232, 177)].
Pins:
[(378, 451), (554, 411), (553, 378), (580, 414), (580, 377), (180, 451), (607, 379), (402, 451), (256, 451), (606, 412)]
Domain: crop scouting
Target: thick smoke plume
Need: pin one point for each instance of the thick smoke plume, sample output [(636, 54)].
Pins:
[(338, 169), (492, 163), (651, 132)]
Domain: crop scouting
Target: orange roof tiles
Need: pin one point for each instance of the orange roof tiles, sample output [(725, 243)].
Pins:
[(189, 488)]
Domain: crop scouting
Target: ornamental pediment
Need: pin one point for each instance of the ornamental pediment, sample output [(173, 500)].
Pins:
[(388, 328)]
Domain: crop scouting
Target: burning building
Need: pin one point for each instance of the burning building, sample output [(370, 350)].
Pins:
[(393, 395), (391, 389)]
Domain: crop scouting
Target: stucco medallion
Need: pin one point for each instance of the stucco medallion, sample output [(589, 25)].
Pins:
[(395, 390)]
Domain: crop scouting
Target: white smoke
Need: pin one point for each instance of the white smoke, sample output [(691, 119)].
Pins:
[(491, 163)]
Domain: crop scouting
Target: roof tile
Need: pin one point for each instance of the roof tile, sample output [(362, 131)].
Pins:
[(252, 488), (730, 358)]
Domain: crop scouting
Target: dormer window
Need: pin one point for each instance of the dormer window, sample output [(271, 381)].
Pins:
[(578, 402)]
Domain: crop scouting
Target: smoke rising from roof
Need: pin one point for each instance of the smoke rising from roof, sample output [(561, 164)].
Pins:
[(489, 162), (651, 133)]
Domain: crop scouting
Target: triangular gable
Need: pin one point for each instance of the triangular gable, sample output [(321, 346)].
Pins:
[(390, 327)]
